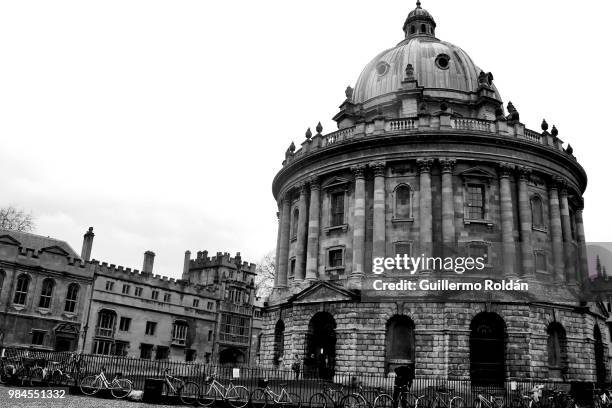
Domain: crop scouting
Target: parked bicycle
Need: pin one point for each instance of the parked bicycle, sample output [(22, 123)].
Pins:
[(19, 369), (236, 396), (407, 399), (491, 402), (532, 400), (444, 398), (263, 396), (368, 399), (119, 387), (64, 372), (329, 397), (187, 391), (561, 399)]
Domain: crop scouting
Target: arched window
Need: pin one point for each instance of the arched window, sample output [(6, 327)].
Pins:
[(403, 207), (557, 350), (537, 212), (423, 28), (71, 298), (21, 289), (412, 29), (279, 340), (46, 293), (106, 323), (294, 223), (487, 349), (179, 332), (399, 343), (1, 279)]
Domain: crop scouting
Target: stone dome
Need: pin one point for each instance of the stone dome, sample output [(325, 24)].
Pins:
[(437, 64)]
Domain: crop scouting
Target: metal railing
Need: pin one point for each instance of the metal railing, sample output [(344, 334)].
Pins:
[(305, 382)]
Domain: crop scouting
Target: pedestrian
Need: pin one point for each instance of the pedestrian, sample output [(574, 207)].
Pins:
[(296, 366)]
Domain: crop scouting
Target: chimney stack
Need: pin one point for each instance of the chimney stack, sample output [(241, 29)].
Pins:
[(87, 244), (147, 264), (185, 276)]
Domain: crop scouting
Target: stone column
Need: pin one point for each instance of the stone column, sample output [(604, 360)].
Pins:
[(378, 247), (556, 232), (448, 207), (507, 218), (302, 231), (582, 274), (283, 255), (566, 226), (425, 219), (278, 240), (312, 256), (359, 221), (525, 223)]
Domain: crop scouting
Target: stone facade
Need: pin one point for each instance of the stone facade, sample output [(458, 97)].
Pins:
[(426, 161)]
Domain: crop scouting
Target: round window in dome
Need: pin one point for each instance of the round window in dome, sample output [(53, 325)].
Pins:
[(442, 61), (382, 68)]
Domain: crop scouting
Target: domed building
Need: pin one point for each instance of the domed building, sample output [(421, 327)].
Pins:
[(426, 163)]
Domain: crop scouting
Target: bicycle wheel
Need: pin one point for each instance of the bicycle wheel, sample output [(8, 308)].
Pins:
[(457, 402), (259, 398), (237, 397), (90, 385), (353, 401), (189, 393), (421, 402), (56, 379), (121, 387), (317, 400), (383, 401), (408, 400), (208, 398)]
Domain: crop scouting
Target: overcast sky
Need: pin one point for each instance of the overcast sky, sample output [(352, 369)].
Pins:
[(162, 123)]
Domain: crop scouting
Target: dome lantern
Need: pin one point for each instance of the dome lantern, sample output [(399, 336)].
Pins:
[(419, 23)]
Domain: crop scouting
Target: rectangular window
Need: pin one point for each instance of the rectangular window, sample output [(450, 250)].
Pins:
[(479, 250), (210, 305), (103, 347), (190, 355), (121, 348), (146, 351), (124, 323), (234, 328), (110, 285), (209, 335), (403, 248), (38, 337), (150, 328), (179, 333), (335, 258), (474, 205), (337, 209), (126, 289), (162, 353), (167, 297), (540, 261), (196, 302), (138, 292), (155, 294), (292, 267)]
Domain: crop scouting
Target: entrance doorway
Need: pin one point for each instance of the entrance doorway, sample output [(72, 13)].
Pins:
[(320, 353), (231, 356), (487, 349)]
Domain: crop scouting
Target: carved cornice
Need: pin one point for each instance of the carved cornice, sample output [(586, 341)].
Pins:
[(506, 169), (561, 184), (379, 168), (358, 171), (424, 165), (447, 165)]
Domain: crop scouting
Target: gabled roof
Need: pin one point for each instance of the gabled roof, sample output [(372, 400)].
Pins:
[(37, 242), (323, 291)]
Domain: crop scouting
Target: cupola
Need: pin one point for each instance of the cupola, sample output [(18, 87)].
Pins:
[(419, 23)]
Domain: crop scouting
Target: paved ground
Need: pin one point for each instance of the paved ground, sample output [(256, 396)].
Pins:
[(70, 401)]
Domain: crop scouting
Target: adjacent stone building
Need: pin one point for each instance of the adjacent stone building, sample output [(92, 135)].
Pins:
[(427, 161), (44, 292), (54, 299)]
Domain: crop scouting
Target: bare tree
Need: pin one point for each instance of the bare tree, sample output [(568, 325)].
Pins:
[(15, 219), (266, 271)]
